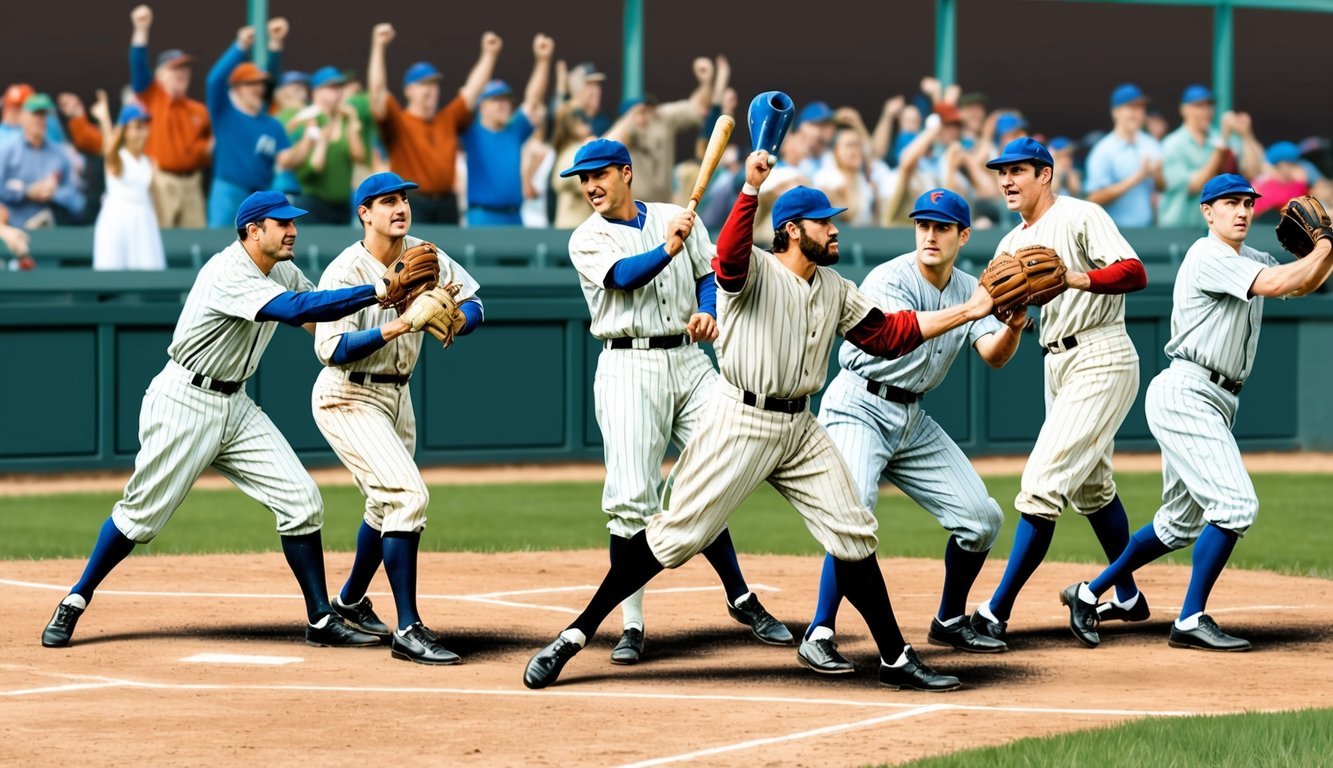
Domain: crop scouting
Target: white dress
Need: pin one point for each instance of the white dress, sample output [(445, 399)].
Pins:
[(127, 235)]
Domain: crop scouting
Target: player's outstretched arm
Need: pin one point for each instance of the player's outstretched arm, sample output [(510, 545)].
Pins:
[(299, 308), (1297, 278), (998, 348), (944, 320), (1124, 276)]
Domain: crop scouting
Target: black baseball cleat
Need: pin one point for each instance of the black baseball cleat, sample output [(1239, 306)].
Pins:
[(751, 613), (822, 656), (361, 615), (61, 626), (630, 647), (545, 666), (1082, 616), (1109, 611), (337, 634), (418, 644), (916, 675), (996, 630), (1206, 637), (961, 636)]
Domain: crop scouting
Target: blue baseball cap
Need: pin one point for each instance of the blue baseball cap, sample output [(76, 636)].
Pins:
[(495, 89), (328, 76), (1058, 143), (293, 76), (1008, 123), (131, 112), (1021, 150), (802, 203), (1224, 185), (942, 205), (378, 184), (1195, 94), (1282, 152), (422, 70), (815, 112), (266, 205), (1126, 94), (595, 155), (174, 57)]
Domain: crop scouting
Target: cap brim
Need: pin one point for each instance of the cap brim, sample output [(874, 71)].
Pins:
[(389, 191), (286, 213), (583, 167), (1233, 193), (178, 61), (826, 213), (595, 77), (931, 215)]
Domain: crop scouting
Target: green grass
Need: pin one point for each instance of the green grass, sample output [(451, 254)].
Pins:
[(1302, 738), (1291, 536)]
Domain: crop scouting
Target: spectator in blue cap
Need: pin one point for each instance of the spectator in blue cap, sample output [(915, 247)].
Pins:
[(1284, 176), (1068, 180), (1197, 151), (126, 235), (1125, 167), (251, 143), (421, 138), (814, 122), (325, 178), (293, 91), (494, 144)]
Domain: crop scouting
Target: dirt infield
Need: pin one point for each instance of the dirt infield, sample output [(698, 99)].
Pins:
[(74, 482), (127, 691)]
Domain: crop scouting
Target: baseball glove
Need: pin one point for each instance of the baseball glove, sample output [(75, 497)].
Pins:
[(1304, 221), (414, 272), (1031, 277)]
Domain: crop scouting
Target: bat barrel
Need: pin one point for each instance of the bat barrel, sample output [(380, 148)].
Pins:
[(771, 116)]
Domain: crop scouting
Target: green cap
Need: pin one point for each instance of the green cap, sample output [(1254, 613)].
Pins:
[(38, 102)]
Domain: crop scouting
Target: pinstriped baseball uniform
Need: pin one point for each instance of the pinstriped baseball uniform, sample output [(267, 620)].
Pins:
[(776, 334), (1089, 388), (371, 426), (184, 429), (1214, 328), (645, 398), (900, 442)]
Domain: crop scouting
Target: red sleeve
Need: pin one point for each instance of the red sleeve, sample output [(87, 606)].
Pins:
[(732, 263), (887, 335), (1124, 276), (85, 136)]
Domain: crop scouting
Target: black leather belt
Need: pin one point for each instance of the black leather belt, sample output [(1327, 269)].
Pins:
[(1063, 345), (891, 393), (214, 385), (376, 378), (653, 342), (1230, 385), (779, 404)]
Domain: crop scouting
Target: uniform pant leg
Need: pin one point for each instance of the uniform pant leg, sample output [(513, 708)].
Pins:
[(634, 408), (1191, 420), (860, 436), (735, 451), (180, 432), (373, 431), (813, 477), (1090, 391), (932, 470), (259, 460)]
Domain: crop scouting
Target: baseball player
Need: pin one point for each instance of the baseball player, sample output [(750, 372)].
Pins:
[(778, 313), (872, 413), (1092, 376), (1207, 496), (648, 308), (196, 414), (363, 407)]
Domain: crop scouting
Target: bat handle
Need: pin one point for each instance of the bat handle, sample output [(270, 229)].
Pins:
[(690, 206)]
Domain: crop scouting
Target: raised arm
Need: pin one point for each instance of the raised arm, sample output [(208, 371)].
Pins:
[(377, 82), (481, 71), (736, 240), (217, 87), (543, 48), (141, 74)]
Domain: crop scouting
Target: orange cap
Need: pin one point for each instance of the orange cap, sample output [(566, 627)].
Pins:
[(247, 72), (17, 93), (948, 113)]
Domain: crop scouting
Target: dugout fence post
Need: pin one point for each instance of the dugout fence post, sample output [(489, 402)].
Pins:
[(631, 86), (257, 13), (1224, 51), (946, 41)]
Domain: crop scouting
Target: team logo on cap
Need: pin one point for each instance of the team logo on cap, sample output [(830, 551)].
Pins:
[(936, 195)]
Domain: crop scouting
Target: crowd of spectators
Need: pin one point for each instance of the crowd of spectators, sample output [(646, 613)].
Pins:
[(489, 155)]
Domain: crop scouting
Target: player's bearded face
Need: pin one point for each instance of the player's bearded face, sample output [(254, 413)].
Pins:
[(819, 241)]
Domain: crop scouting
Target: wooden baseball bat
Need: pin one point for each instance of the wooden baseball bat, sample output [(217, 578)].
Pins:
[(712, 156)]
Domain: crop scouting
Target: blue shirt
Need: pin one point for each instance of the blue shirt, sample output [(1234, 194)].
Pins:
[(246, 144), (494, 175), (21, 164), (1113, 160)]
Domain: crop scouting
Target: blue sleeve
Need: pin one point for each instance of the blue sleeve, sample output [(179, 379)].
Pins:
[(274, 75), (706, 129), (11, 194), (1100, 174), (634, 272), (218, 85), (295, 308), (141, 75), (475, 314), (523, 125), (355, 345), (706, 290), (67, 195)]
